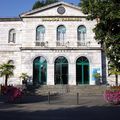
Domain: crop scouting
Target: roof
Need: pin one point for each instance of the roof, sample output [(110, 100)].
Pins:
[(48, 7), (10, 19), (39, 10)]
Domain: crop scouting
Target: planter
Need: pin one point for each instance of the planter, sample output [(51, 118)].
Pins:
[(112, 97)]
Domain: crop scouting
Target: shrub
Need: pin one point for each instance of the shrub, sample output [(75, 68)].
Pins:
[(13, 93), (112, 95)]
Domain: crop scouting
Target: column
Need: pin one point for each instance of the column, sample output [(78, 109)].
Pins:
[(72, 74), (50, 74)]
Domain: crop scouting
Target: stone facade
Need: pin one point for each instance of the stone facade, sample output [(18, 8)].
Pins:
[(24, 51)]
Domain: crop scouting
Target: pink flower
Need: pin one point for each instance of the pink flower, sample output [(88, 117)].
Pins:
[(112, 96)]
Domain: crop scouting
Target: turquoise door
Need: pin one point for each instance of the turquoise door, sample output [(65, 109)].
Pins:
[(61, 70), (82, 71), (40, 71)]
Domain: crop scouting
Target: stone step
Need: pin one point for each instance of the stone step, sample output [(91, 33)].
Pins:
[(61, 89)]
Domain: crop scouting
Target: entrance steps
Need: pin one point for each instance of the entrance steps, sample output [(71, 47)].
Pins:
[(70, 89)]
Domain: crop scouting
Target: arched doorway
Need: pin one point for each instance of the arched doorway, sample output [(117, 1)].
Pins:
[(82, 70), (61, 70), (40, 71)]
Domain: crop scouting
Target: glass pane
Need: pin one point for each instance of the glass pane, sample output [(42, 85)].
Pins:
[(57, 69), (86, 74), (82, 60), (40, 70), (36, 74), (81, 33), (12, 35), (64, 68), (40, 31), (82, 29), (61, 30), (42, 60), (57, 74), (61, 70), (79, 74), (43, 74), (65, 73)]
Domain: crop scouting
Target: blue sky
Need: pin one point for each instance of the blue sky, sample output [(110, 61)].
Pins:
[(12, 8)]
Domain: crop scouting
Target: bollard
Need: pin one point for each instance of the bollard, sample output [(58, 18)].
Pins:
[(77, 98), (48, 97)]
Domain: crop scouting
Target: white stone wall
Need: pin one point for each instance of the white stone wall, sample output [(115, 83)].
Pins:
[(16, 57), (26, 37), (69, 11), (30, 25), (6, 26), (29, 56)]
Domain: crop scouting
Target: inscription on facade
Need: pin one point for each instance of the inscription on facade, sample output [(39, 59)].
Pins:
[(62, 19)]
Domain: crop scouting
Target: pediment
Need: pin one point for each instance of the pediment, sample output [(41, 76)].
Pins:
[(56, 9)]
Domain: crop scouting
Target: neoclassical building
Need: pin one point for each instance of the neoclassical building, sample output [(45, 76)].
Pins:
[(54, 45)]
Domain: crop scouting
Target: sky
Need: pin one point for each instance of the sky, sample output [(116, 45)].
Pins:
[(13, 8)]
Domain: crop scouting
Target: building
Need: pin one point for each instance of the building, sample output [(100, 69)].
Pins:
[(54, 45)]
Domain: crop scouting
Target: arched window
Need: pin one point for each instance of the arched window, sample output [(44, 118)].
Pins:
[(40, 71), (61, 70), (81, 34), (82, 70), (61, 30), (40, 32), (12, 36)]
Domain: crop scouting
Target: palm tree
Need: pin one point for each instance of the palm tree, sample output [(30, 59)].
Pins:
[(113, 70), (6, 70), (24, 77)]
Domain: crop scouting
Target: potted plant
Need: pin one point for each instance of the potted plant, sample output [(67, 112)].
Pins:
[(24, 78), (112, 95), (98, 79)]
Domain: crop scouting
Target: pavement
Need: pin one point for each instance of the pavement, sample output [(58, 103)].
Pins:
[(61, 107)]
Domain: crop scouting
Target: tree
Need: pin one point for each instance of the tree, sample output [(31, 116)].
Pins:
[(112, 70), (38, 4), (107, 30), (24, 77), (6, 70), (50, 2), (42, 3)]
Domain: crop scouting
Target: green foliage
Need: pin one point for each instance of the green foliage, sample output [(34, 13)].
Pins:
[(98, 79), (97, 75), (112, 69), (38, 4), (42, 3), (50, 2), (107, 30), (24, 76), (6, 69)]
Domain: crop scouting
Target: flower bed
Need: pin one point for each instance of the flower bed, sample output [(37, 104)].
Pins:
[(11, 93), (112, 95)]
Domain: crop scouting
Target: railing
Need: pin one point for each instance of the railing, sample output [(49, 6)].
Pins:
[(79, 43), (42, 44), (64, 44)]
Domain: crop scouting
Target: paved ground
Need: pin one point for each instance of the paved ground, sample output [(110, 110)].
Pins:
[(63, 107)]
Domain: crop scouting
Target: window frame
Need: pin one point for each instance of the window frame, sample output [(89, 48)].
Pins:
[(12, 36), (81, 34), (40, 37)]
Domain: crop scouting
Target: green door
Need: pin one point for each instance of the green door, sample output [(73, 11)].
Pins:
[(61, 70), (82, 71), (40, 71)]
